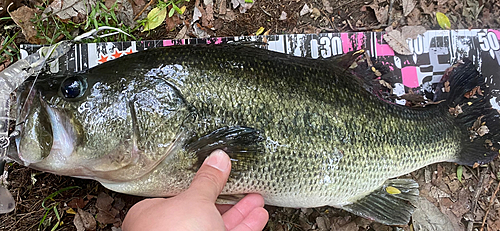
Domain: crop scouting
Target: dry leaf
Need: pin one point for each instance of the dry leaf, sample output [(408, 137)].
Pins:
[(412, 31), (381, 13), (109, 3), (5, 64), (229, 16), (137, 6), (478, 128), (428, 217), (408, 6), (323, 224), (71, 211), (413, 98), (22, 17), (125, 13), (427, 9), (182, 33), (327, 7), (315, 13), (385, 84), (414, 17), (456, 110), (477, 123), (199, 32), (397, 42), (483, 130), (172, 22), (244, 6), (305, 10), (104, 201), (283, 16), (196, 15), (447, 87), (70, 8), (220, 7), (84, 221), (107, 217), (208, 16), (77, 203), (119, 203), (473, 92)]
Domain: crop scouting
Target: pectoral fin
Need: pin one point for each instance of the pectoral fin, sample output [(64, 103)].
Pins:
[(229, 199), (239, 142), (390, 204)]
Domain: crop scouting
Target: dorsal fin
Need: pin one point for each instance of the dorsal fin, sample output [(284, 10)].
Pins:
[(344, 61)]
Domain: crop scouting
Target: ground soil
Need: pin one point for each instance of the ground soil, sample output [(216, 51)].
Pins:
[(465, 203)]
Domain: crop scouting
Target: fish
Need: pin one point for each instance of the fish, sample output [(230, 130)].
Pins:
[(301, 132)]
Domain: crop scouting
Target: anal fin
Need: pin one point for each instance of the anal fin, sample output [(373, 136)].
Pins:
[(391, 204)]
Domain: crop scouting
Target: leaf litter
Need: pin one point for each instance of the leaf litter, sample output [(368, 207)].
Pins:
[(68, 9), (397, 39)]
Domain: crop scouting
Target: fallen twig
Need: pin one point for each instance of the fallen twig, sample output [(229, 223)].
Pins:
[(471, 171), (489, 206), (369, 27), (479, 188), (328, 18), (390, 12), (265, 12), (143, 9)]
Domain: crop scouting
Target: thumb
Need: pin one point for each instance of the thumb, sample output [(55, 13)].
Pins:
[(211, 177)]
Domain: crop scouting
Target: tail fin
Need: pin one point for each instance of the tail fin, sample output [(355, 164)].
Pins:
[(468, 99)]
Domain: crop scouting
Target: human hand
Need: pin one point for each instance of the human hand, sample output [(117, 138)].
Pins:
[(195, 209)]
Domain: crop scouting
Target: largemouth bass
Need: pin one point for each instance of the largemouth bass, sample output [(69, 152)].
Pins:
[(300, 132)]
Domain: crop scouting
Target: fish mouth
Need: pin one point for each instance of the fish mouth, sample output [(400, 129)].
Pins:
[(43, 132)]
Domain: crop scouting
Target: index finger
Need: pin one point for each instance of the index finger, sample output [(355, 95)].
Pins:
[(241, 210)]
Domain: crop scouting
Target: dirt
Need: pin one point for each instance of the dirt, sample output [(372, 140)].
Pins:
[(464, 203)]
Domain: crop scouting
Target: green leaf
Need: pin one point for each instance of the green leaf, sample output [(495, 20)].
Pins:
[(183, 9), (259, 31), (460, 171), (51, 196), (248, 1), (155, 18), (171, 12), (443, 21), (176, 9)]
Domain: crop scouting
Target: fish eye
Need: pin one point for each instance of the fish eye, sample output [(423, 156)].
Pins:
[(73, 87)]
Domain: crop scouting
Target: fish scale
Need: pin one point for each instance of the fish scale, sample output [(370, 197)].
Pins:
[(300, 132), (214, 92)]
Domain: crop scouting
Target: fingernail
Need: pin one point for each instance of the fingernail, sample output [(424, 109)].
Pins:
[(218, 160)]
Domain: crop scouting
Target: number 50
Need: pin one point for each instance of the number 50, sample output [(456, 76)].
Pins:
[(488, 41)]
